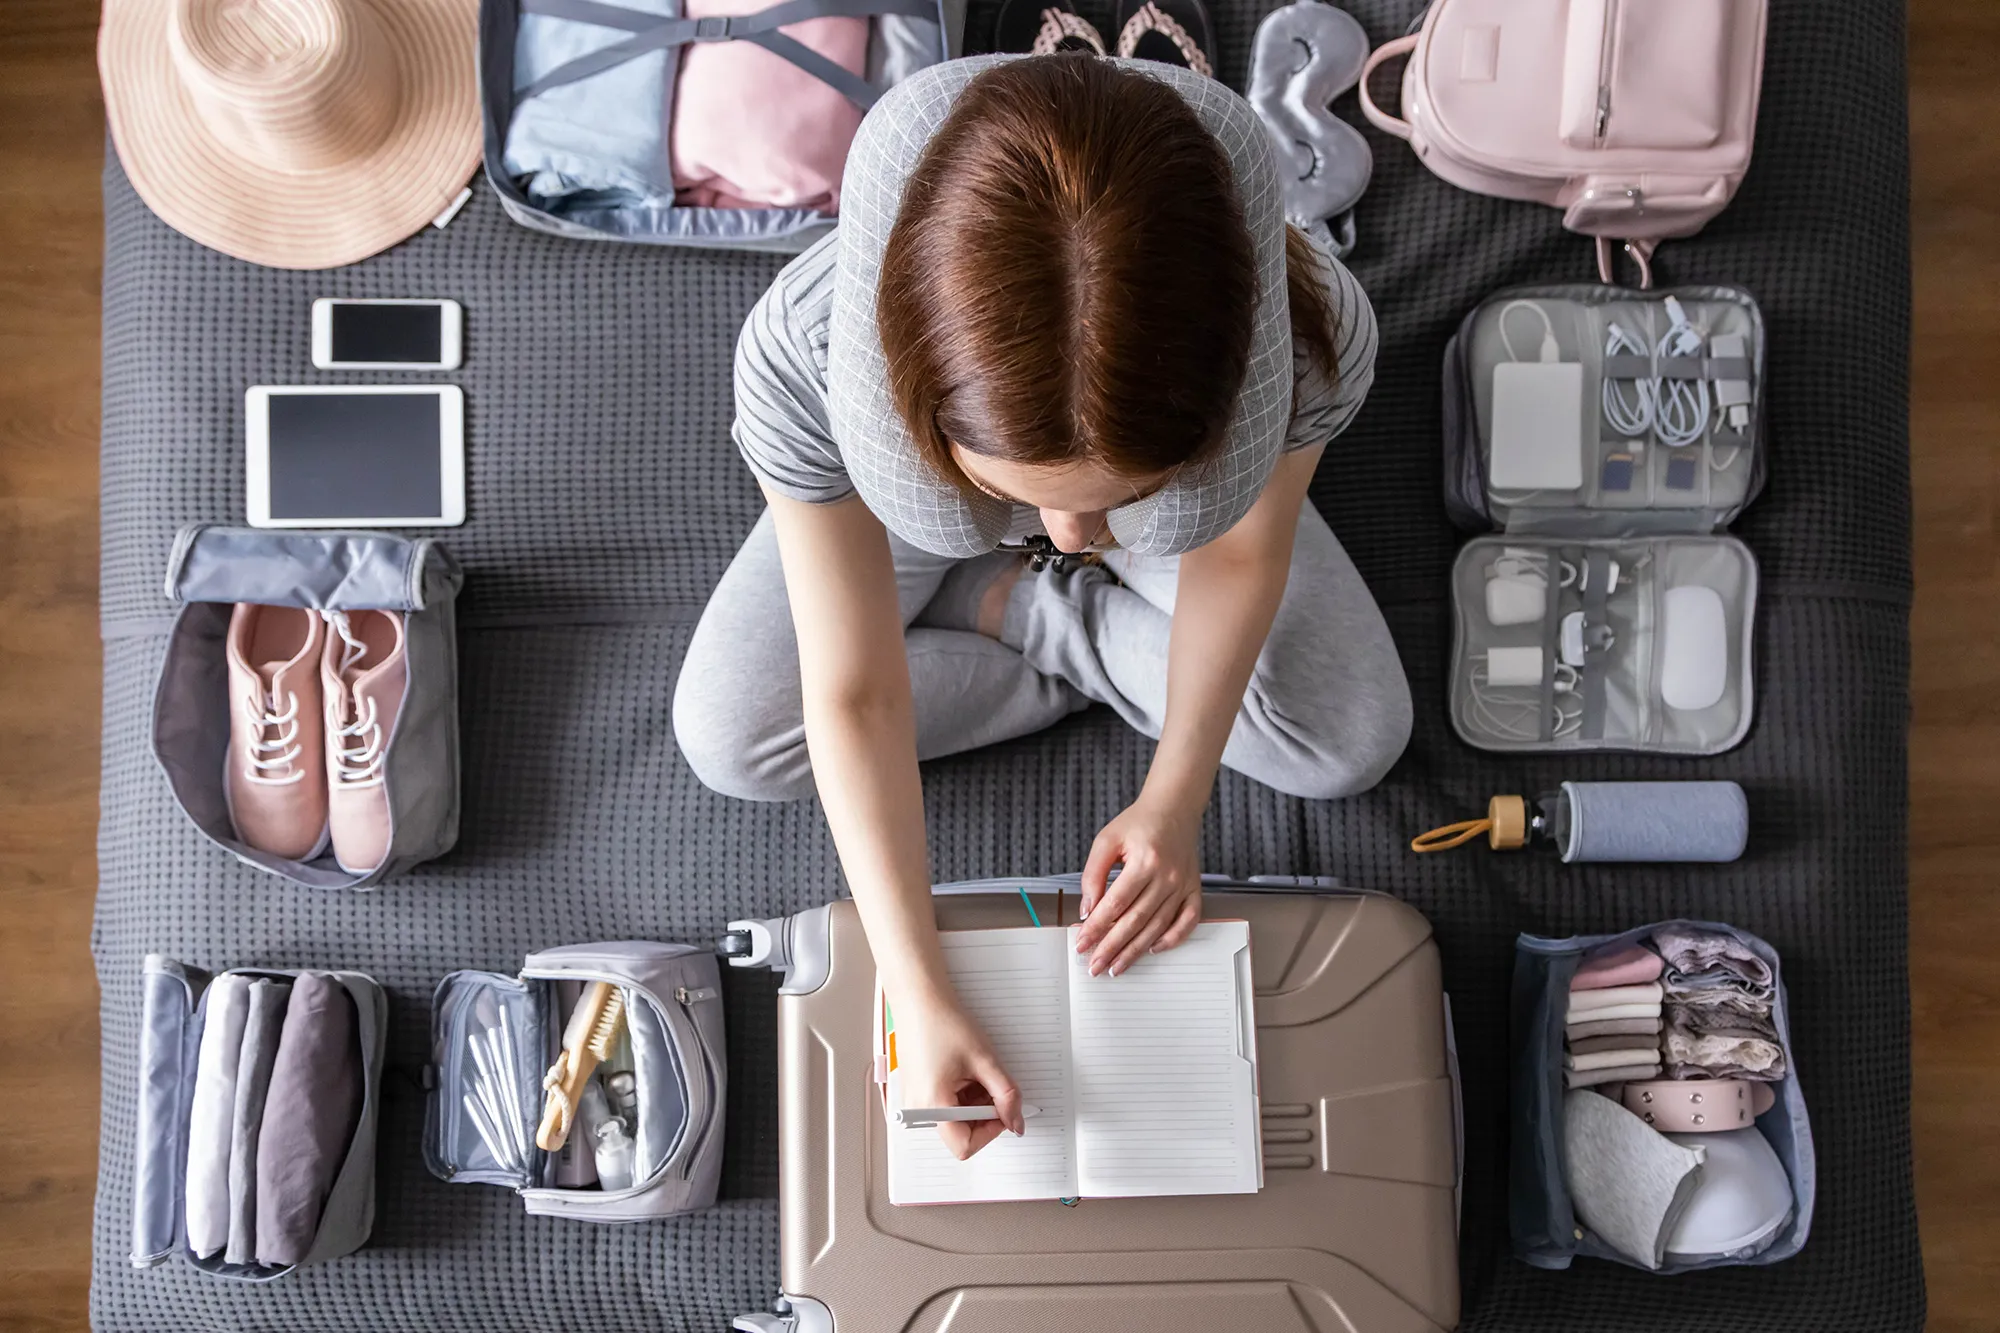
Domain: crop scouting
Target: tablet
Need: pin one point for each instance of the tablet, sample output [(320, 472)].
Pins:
[(339, 457)]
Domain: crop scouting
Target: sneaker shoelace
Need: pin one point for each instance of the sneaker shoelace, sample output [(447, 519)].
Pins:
[(357, 744), (276, 744)]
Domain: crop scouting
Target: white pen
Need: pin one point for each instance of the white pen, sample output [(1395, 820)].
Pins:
[(925, 1117)]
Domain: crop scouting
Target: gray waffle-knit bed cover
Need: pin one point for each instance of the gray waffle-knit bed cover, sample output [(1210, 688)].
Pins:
[(605, 499)]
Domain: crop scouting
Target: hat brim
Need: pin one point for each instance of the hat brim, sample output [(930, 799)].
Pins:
[(297, 219)]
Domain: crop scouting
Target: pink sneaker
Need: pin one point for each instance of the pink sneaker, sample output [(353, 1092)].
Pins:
[(273, 779), (362, 674)]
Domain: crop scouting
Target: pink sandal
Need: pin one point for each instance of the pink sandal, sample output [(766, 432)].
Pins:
[(1175, 32)]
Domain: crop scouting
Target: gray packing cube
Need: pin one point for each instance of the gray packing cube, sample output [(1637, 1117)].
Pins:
[(1541, 1217), (174, 1007), (673, 1008), (1541, 385), (601, 215), (210, 570)]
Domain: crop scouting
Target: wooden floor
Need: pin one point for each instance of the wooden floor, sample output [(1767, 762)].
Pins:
[(49, 663)]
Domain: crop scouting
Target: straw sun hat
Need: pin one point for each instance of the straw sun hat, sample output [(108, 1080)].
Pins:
[(293, 133)]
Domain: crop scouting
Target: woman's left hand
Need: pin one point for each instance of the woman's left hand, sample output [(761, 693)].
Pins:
[(1155, 902)]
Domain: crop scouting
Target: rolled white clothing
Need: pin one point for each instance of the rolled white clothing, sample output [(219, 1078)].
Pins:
[(1611, 996), (1614, 1011), (1631, 1055), (212, 1114)]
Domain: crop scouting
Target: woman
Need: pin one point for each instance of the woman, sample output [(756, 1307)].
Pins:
[(1062, 302)]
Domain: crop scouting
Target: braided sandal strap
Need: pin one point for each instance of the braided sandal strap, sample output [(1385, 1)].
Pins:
[(1058, 24), (1151, 18)]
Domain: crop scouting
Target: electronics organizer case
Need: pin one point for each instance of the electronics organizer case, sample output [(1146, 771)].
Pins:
[(678, 1058), (1355, 1229), (1546, 1230), (174, 1007), (783, 230), (1666, 665), (209, 570)]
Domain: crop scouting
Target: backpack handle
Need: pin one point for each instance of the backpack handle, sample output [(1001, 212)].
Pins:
[(1377, 117)]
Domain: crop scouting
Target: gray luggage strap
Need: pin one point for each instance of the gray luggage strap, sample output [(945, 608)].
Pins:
[(1596, 639), (652, 33)]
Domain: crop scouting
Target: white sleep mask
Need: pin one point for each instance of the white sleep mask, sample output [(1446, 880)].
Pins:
[(1305, 55), (1203, 500)]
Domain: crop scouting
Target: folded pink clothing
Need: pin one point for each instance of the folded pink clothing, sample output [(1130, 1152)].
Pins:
[(1627, 967), (753, 130), (1584, 1000)]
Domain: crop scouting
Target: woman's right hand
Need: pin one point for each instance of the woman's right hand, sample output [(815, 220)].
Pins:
[(944, 1059)]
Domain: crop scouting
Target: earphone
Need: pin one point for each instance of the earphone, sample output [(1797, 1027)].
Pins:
[(1517, 584)]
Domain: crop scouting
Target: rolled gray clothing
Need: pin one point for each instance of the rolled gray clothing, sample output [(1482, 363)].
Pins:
[(310, 1113), (261, 1030), (1326, 713)]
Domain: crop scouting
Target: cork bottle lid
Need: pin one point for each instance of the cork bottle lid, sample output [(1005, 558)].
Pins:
[(1507, 817)]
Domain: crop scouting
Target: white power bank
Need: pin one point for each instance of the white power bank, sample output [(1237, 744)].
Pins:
[(1537, 426)]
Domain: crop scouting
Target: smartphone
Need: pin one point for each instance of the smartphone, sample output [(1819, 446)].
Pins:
[(340, 457), (387, 335)]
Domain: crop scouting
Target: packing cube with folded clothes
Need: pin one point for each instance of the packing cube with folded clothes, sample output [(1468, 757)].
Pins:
[(258, 1097), (1623, 1150)]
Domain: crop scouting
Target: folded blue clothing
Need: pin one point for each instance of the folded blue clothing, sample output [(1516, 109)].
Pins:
[(604, 136)]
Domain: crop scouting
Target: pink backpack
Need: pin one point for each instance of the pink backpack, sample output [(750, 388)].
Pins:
[(1633, 116)]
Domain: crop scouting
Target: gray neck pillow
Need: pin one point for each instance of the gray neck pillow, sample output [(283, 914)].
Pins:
[(1203, 501)]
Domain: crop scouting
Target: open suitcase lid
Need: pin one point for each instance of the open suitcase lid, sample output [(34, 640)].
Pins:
[(1356, 1224)]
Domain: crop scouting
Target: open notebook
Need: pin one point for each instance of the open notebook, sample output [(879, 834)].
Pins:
[(1147, 1081)]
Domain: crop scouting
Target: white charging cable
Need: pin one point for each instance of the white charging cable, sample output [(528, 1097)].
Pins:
[(1550, 350), (1680, 407), (1517, 718), (1673, 411)]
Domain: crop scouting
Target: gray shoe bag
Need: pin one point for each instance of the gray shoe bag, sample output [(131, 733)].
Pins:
[(1622, 617), (594, 217), (174, 1007), (1546, 1230), (673, 1016), (213, 568)]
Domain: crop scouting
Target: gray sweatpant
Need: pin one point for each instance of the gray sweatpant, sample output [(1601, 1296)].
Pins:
[(1326, 713)]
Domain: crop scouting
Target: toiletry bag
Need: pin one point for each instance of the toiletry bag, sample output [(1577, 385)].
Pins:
[(210, 570), (1607, 443), (673, 1020), (175, 1006), (1546, 1230), (613, 216), (1635, 118)]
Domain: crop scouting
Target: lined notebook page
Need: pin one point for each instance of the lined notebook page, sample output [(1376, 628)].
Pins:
[(1015, 983), (1165, 1102)]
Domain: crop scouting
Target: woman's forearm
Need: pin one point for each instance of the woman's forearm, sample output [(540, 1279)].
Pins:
[(864, 758), (861, 730)]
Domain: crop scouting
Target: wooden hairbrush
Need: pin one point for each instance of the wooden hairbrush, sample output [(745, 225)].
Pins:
[(587, 1042)]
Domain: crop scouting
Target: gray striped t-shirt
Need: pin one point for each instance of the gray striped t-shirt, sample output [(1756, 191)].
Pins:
[(781, 417)]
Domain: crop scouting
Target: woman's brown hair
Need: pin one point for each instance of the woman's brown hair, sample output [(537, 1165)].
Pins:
[(1070, 277)]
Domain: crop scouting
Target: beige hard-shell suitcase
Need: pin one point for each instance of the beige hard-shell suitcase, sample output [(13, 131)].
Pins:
[(1355, 1229)]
